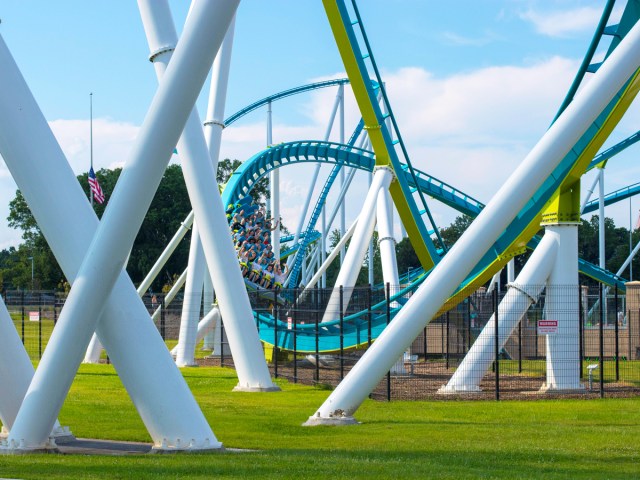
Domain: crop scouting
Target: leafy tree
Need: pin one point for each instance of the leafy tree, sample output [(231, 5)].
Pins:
[(406, 256), (453, 232), (168, 209)]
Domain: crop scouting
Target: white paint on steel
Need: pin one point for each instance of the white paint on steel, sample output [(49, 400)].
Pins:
[(386, 242), (520, 295), (220, 253), (357, 248), (105, 257), (596, 179), (332, 255), (168, 298), (601, 227), (478, 238), (166, 254), (125, 330), (16, 372), (561, 304), (192, 302)]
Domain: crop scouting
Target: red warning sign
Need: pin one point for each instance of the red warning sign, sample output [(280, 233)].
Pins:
[(547, 327)]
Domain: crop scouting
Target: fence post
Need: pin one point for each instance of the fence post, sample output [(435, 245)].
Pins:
[(580, 332), (520, 346), (275, 331), (341, 333), (617, 334), (295, 335), (536, 332), (447, 343), (468, 323), (163, 319), (497, 338), (601, 338), (369, 313), (55, 309), (388, 308), (22, 302), (40, 325), (424, 330), (221, 342), (630, 355), (317, 321)]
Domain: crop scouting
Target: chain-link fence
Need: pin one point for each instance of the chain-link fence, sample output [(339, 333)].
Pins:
[(564, 340)]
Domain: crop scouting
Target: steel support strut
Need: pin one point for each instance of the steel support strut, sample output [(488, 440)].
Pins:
[(103, 263)]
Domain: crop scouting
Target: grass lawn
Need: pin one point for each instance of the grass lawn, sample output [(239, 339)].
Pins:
[(484, 439)]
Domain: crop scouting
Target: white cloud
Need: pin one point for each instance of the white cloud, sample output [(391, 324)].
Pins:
[(563, 23), (112, 142), (469, 129), (455, 39)]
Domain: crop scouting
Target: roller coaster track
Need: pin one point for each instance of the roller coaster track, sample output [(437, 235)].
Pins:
[(613, 197), (512, 241)]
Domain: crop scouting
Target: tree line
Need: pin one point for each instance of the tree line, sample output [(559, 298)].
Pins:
[(169, 208), (171, 205)]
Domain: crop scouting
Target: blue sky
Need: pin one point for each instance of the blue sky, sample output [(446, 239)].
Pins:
[(473, 84)]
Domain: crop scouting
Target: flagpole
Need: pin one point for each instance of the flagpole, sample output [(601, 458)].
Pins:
[(91, 141)]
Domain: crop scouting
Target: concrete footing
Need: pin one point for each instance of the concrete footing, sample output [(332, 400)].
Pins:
[(315, 421)]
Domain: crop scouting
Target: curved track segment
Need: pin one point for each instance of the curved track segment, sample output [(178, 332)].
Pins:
[(613, 197), (510, 243), (355, 328)]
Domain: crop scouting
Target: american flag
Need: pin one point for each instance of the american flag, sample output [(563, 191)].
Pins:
[(95, 187)]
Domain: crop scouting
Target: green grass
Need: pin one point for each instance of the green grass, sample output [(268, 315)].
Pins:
[(629, 369), (530, 439)]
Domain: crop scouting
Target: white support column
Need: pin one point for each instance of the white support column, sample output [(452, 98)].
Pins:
[(386, 242), (214, 123), (197, 269), (355, 255), (95, 347), (590, 192), (313, 264), (192, 303), (205, 326), (312, 186), (494, 218), (601, 228), (511, 271), (520, 295), (561, 304), (213, 127), (326, 225), (332, 255), (323, 246), (208, 297), (16, 372), (387, 246), (303, 266), (103, 263), (166, 254), (371, 263), (94, 350), (154, 383), (340, 200), (343, 215), (274, 188), (200, 178), (171, 294)]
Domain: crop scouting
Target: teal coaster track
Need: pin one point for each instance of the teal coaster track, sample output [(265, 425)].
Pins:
[(355, 329)]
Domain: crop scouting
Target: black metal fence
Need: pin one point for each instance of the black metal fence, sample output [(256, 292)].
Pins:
[(314, 338)]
